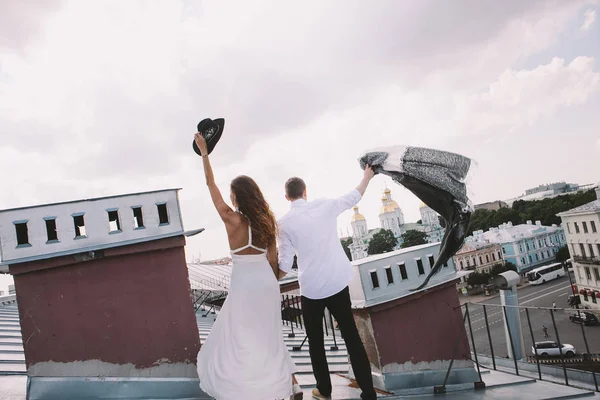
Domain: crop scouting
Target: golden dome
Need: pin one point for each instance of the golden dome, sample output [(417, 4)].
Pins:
[(357, 216), (391, 206), (387, 191), (423, 205)]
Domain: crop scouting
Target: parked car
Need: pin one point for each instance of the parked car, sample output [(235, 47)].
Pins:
[(585, 317), (550, 348)]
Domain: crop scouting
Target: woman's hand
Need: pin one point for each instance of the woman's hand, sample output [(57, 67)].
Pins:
[(201, 143)]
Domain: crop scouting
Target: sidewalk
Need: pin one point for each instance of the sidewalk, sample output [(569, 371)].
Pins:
[(480, 298)]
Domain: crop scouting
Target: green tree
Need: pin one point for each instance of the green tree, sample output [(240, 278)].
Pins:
[(346, 245), (382, 242), (413, 238), (478, 278), (563, 254), (544, 210)]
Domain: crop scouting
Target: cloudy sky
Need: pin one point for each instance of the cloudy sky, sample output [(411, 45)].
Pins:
[(101, 98)]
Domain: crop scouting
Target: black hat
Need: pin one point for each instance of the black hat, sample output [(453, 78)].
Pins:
[(211, 132)]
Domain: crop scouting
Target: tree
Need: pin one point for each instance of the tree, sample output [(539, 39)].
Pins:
[(420, 221), (544, 210), (477, 278), (346, 245), (382, 242), (413, 238), (563, 254)]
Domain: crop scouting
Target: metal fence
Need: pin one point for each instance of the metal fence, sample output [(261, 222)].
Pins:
[(536, 325), (291, 315)]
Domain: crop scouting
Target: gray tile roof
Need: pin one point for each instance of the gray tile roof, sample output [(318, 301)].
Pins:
[(500, 385)]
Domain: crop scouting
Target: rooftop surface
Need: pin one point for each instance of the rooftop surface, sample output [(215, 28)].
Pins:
[(90, 199), (377, 257), (591, 207), (499, 384)]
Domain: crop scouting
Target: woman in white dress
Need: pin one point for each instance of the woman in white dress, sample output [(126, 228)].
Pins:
[(244, 356)]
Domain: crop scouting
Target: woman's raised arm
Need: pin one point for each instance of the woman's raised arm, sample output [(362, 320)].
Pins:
[(225, 212)]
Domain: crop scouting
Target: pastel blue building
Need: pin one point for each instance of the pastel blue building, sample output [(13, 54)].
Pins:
[(527, 246)]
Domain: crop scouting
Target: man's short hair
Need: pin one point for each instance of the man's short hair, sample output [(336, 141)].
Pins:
[(294, 188)]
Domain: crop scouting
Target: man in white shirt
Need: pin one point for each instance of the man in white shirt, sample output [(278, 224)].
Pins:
[(309, 230)]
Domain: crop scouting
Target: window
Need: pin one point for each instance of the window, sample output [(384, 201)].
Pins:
[(138, 219), (480, 260), (388, 275), (585, 296), (493, 256), (446, 264), (591, 248), (539, 243), (79, 223), (163, 216), (420, 266), (51, 232), (584, 225), (22, 233), (468, 264), (582, 249), (403, 273), (593, 226), (374, 279), (576, 227), (431, 261), (461, 265), (487, 258), (569, 227), (504, 250), (588, 273), (597, 274), (113, 221)]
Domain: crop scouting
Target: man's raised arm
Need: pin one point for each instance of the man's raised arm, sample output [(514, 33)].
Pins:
[(352, 198)]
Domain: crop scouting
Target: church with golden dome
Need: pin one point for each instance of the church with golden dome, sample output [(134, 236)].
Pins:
[(391, 218)]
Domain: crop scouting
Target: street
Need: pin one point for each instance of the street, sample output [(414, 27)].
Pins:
[(532, 296)]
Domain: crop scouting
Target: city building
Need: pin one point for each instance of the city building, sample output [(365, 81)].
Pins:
[(478, 256), (527, 246), (430, 221), (583, 236), (11, 289), (390, 214), (549, 191), (94, 276), (391, 218), (491, 206), (390, 275)]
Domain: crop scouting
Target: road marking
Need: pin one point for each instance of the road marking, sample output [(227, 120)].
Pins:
[(544, 295), (564, 294), (542, 289)]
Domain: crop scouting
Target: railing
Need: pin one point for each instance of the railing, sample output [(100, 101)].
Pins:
[(291, 315), (587, 260), (481, 320)]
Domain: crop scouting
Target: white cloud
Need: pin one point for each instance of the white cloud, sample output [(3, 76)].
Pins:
[(589, 19), (103, 98)]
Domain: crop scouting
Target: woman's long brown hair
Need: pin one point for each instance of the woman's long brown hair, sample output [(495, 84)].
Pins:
[(252, 204)]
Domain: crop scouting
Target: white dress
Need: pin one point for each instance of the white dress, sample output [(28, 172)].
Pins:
[(244, 356)]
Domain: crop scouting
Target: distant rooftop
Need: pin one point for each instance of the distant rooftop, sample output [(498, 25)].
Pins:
[(591, 207), (506, 233), (377, 257)]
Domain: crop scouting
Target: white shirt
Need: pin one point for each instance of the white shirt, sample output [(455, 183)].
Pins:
[(310, 230)]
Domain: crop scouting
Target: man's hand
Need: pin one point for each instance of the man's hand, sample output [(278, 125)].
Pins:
[(367, 176), (201, 143), (369, 173)]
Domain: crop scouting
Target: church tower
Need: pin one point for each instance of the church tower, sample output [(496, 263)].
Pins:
[(358, 248), (431, 223), (390, 215)]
